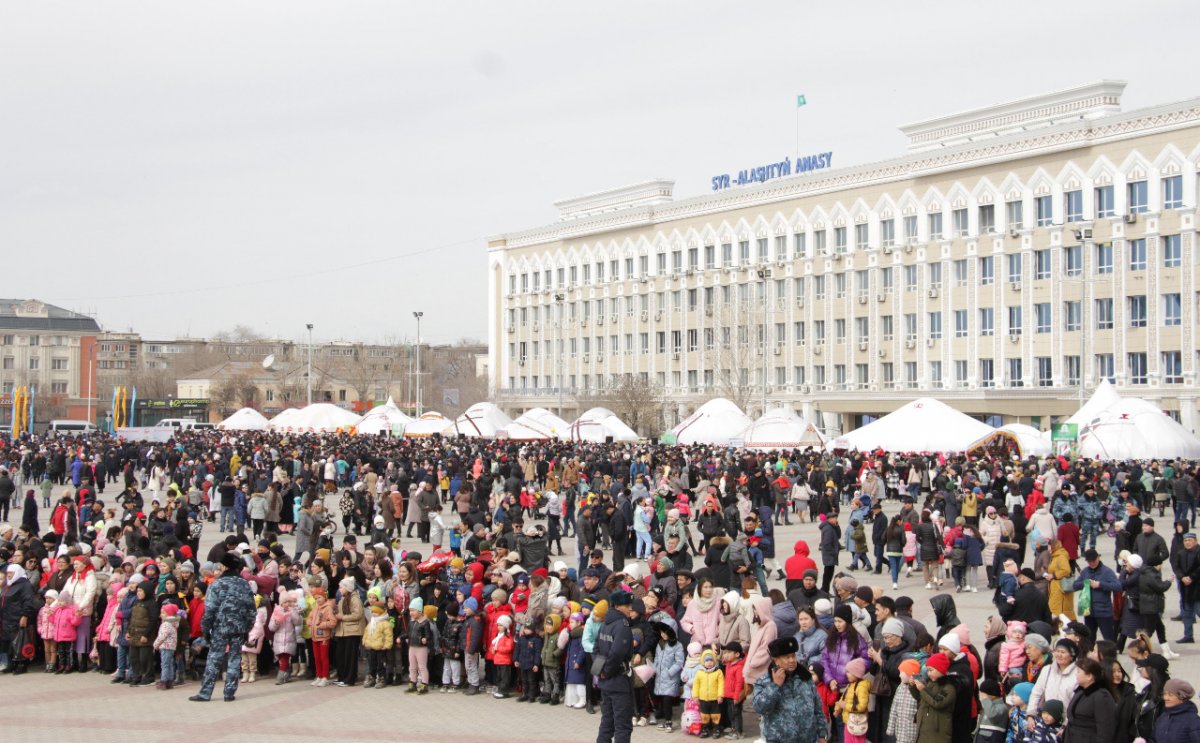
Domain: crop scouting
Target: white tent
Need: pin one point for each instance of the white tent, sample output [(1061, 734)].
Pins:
[(544, 422), (517, 431), (482, 420), (1027, 440), (322, 417), (715, 422), (1133, 428), (1104, 397), (246, 419), (429, 424), (923, 425), (381, 418), (282, 421), (598, 424), (781, 428)]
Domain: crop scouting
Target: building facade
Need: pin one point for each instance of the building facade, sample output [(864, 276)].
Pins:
[(51, 350), (1013, 258)]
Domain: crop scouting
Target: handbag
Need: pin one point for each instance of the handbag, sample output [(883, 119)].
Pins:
[(881, 685), (1067, 584), (22, 647), (598, 664), (857, 723)]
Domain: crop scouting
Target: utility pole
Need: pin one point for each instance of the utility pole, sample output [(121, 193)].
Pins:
[(418, 315), (558, 300), (764, 274), (309, 380)]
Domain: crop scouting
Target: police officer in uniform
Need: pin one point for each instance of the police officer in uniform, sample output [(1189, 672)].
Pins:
[(614, 650)]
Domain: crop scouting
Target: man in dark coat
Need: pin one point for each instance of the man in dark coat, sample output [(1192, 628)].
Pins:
[(1029, 604)]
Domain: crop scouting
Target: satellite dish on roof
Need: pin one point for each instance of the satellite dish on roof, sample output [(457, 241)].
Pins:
[(268, 362)]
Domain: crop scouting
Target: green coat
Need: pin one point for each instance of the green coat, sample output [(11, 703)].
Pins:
[(935, 713)]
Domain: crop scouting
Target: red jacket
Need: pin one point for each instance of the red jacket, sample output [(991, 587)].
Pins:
[(735, 683), (799, 562), (195, 612), (502, 654), (491, 613)]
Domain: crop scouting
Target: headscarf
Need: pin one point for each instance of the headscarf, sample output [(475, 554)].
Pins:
[(15, 573)]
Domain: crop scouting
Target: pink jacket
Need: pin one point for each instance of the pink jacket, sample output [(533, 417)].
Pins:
[(45, 622), (762, 633), (109, 624), (66, 623), (1012, 655), (703, 626)]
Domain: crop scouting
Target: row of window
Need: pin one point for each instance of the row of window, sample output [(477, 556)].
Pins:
[(56, 364), (1169, 252), (985, 223), (9, 339), (1136, 364), (56, 388)]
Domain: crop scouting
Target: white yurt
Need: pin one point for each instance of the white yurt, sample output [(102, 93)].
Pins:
[(715, 422), (1024, 440), (283, 419), (1133, 428), (545, 422), (322, 417), (482, 420), (517, 431), (1104, 397), (429, 424), (598, 425), (246, 419), (781, 428), (923, 425), (383, 418)]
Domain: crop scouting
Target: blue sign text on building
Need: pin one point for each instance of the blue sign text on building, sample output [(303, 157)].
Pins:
[(780, 169)]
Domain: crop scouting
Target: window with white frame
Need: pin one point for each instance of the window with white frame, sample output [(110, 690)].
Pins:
[(1015, 319), (910, 228), (1014, 267), (763, 250), (1044, 208), (1016, 373), (1106, 367), (1136, 193), (1045, 371), (987, 321), (1172, 367), (1136, 305), (1041, 264), (887, 232), (960, 371), (1073, 257), (1172, 191), (987, 270), (1172, 309), (1136, 365), (1104, 258), (1106, 205), (987, 373), (839, 239), (799, 244), (861, 232), (910, 326), (1172, 251), (1137, 254), (1014, 214), (935, 325), (961, 222), (960, 272), (935, 226), (910, 278), (987, 219), (935, 275), (960, 324), (1042, 317), (1104, 313), (1073, 368), (1073, 206), (1074, 315)]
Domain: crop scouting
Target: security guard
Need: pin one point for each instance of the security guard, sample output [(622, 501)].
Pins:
[(610, 661)]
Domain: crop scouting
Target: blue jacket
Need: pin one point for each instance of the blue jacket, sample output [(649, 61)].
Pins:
[(528, 652), (791, 713), (615, 644), (1102, 606), (576, 662), (811, 645), (668, 665), (1178, 724)]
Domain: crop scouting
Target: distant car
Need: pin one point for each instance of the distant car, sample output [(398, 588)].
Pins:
[(200, 427), (176, 423), (71, 426)]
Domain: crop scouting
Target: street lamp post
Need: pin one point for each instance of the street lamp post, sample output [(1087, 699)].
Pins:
[(309, 375), (418, 315), (764, 274)]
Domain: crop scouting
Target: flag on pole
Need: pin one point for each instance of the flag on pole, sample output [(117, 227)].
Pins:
[(800, 101)]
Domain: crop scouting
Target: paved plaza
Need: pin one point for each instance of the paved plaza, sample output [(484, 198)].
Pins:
[(80, 705)]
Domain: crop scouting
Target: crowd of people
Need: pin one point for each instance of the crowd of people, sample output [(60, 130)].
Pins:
[(671, 606)]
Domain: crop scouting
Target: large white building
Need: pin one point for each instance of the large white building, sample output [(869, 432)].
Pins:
[(1013, 258)]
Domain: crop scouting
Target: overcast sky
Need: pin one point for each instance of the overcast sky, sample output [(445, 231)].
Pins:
[(180, 168)]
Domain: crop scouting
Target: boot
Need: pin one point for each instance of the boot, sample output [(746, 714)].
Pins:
[(369, 682), (422, 689), (543, 699), (471, 691), (253, 676), (591, 710), (1168, 653), (412, 688), (555, 700), (704, 732), (161, 685), (281, 678)]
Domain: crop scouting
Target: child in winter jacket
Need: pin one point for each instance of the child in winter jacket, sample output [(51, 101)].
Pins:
[(502, 655), (958, 565), (254, 641), (853, 705), (166, 644), (708, 688), (45, 630), (286, 623), (65, 621), (527, 657), (422, 640), (829, 697), (993, 713), (450, 648), (732, 656), (377, 639), (470, 643), (575, 673), (1012, 650), (554, 642), (1048, 725), (910, 548), (691, 666), (668, 665)]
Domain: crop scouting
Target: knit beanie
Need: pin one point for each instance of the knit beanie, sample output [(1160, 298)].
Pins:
[(893, 626)]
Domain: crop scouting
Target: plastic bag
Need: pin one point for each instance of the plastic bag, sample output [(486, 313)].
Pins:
[(1083, 600)]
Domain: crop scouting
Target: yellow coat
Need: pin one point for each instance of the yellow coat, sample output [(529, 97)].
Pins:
[(855, 699), (1060, 567), (378, 635), (708, 686)]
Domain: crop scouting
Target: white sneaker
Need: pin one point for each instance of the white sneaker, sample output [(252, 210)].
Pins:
[(315, 682), (928, 586), (974, 589), (894, 586)]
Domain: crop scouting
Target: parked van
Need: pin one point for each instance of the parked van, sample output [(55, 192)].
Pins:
[(176, 423), (71, 426)]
